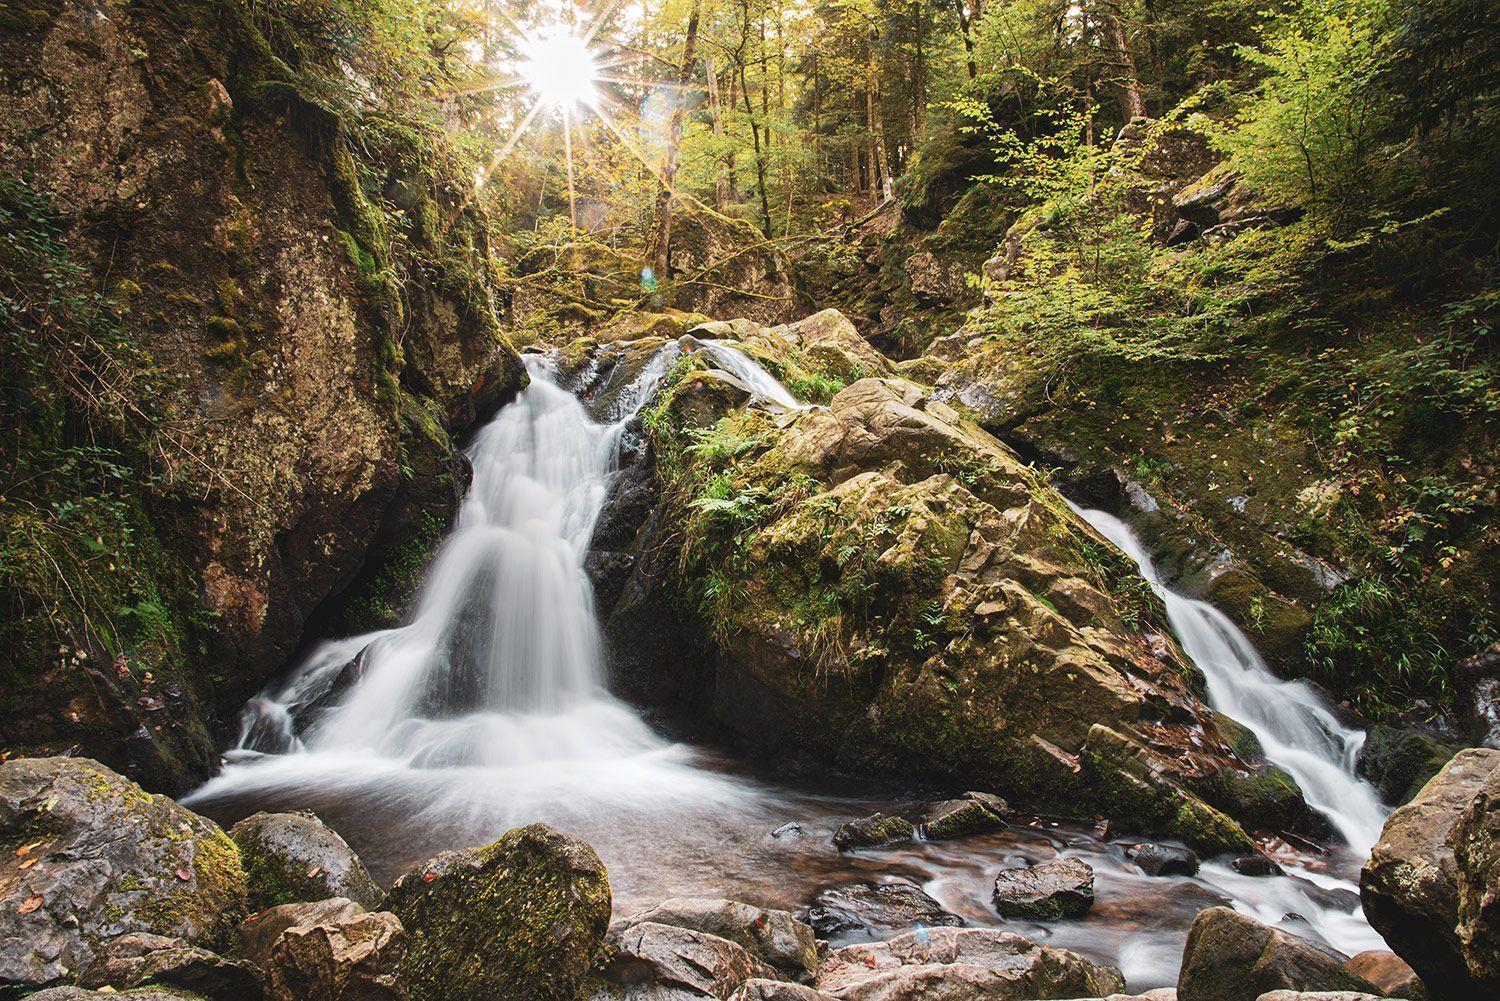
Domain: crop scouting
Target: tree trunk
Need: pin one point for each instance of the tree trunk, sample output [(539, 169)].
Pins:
[(1125, 80), (965, 20), (716, 114), (662, 243)]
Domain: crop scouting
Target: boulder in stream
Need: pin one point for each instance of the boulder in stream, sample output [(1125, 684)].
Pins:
[(259, 933), (961, 964), (90, 856), (1230, 956), (523, 917), (1389, 972), (295, 857), (139, 959), (773, 936), (955, 818), (1057, 888), (1430, 885), (648, 961), (876, 909), (872, 832), (1163, 860)]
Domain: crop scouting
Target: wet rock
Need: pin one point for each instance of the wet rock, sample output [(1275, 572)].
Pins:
[(1476, 851), (295, 857), (1317, 996), (136, 994), (524, 916), (876, 909), (1230, 956), (259, 933), (955, 818), (759, 989), (1477, 698), (961, 964), (1411, 885), (1389, 972), (90, 857), (1058, 888), (1399, 759), (137, 959), (789, 831), (1164, 860), (872, 832), (830, 340), (356, 957), (1255, 865), (775, 937), (652, 960)]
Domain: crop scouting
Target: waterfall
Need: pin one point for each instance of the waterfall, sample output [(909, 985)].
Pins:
[(1294, 726)]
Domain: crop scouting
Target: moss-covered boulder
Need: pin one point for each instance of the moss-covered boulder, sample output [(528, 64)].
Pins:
[(1230, 956), (523, 917), (87, 856), (294, 857), (872, 832), (1400, 759), (1057, 888), (956, 818)]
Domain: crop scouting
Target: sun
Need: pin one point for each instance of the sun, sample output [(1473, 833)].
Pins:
[(558, 66)]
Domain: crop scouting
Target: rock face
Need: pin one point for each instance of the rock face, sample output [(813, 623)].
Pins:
[(1400, 759), (141, 958), (522, 917), (88, 856), (294, 857), (1478, 698), (229, 218), (1389, 972), (774, 937), (876, 909), (1429, 886), (915, 584), (258, 934), (1232, 957), (354, 958), (961, 964), (1060, 888)]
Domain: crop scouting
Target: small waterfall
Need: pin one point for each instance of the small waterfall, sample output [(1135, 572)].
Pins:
[(740, 365), (1295, 728)]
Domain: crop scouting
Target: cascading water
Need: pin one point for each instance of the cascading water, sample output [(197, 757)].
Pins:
[(1294, 727), (487, 709)]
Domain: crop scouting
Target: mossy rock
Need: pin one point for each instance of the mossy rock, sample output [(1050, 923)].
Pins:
[(1399, 760), (106, 859), (293, 858), (872, 832), (523, 917)]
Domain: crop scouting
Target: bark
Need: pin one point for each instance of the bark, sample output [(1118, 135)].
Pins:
[(1124, 78), (965, 21), (662, 244)]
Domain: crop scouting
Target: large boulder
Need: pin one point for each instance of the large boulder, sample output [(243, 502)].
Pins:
[(876, 909), (1058, 888), (524, 916), (976, 813), (886, 586), (140, 958), (258, 934), (294, 857), (1389, 972), (1399, 760), (1415, 885), (775, 937), (87, 856), (1230, 956), (961, 964)]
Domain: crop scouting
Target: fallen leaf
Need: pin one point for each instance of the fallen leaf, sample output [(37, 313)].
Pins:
[(26, 849), (183, 874), (314, 871), (30, 904), (29, 863), (429, 876)]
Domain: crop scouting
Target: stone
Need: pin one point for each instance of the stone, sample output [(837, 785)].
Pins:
[(524, 916), (103, 858), (259, 933), (353, 958), (775, 937), (1230, 956), (955, 818), (759, 989), (1399, 759), (1255, 865), (1389, 972), (1410, 886), (136, 994), (294, 857), (961, 964), (1163, 860), (1477, 696), (1058, 888), (1476, 851), (1317, 996), (875, 909), (872, 832), (136, 959), (651, 959)]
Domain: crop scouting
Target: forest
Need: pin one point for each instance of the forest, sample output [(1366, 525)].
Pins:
[(649, 500)]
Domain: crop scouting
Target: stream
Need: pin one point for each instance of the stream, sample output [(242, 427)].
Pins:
[(489, 709)]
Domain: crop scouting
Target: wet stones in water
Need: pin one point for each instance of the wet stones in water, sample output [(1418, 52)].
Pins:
[(790, 831), (872, 832), (773, 936), (295, 857), (876, 908), (1388, 971), (956, 818), (1059, 888), (1255, 865), (359, 956), (1230, 956), (1163, 860)]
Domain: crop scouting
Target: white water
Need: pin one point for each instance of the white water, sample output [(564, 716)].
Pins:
[(756, 379), (1294, 726)]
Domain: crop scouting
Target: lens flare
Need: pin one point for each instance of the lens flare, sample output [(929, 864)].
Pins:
[(559, 68)]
